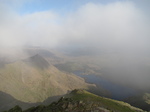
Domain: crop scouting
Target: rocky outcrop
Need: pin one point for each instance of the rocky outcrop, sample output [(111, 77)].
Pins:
[(82, 101)]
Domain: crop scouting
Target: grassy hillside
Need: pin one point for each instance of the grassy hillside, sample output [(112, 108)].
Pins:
[(112, 105), (82, 101), (27, 82)]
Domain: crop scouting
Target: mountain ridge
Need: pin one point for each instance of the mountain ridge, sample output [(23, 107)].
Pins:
[(26, 82), (80, 100)]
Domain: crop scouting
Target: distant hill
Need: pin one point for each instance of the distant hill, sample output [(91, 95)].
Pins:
[(43, 52), (37, 61), (82, 101)]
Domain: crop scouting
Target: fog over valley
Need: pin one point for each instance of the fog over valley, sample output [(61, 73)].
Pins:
[(49, 48)]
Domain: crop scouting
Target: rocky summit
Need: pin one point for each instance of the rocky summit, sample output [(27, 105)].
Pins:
[(81, 101)]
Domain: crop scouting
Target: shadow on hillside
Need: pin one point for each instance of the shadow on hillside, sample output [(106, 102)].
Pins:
[(7, 102)]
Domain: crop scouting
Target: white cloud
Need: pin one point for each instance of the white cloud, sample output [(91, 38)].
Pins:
[(114, 25), (37, 28), (119, 26)]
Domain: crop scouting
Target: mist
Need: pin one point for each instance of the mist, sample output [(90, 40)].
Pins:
[(120, 30)]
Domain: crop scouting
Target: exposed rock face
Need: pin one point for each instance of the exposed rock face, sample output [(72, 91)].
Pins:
[(69, 105), (64, 105)]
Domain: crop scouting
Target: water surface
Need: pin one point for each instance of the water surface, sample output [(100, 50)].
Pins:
[(118, 92)]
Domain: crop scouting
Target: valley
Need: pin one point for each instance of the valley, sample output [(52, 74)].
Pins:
[(42, 76), (74, 56)]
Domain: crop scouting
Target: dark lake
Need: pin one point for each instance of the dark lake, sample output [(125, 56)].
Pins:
[(118, 92)]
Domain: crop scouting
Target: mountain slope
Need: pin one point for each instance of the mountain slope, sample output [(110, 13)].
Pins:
[(27, 82), (82, 101), (7, 102), (109, 104), (141, 101)]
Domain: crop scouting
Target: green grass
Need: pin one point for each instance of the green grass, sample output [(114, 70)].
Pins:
[(101, 101)]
